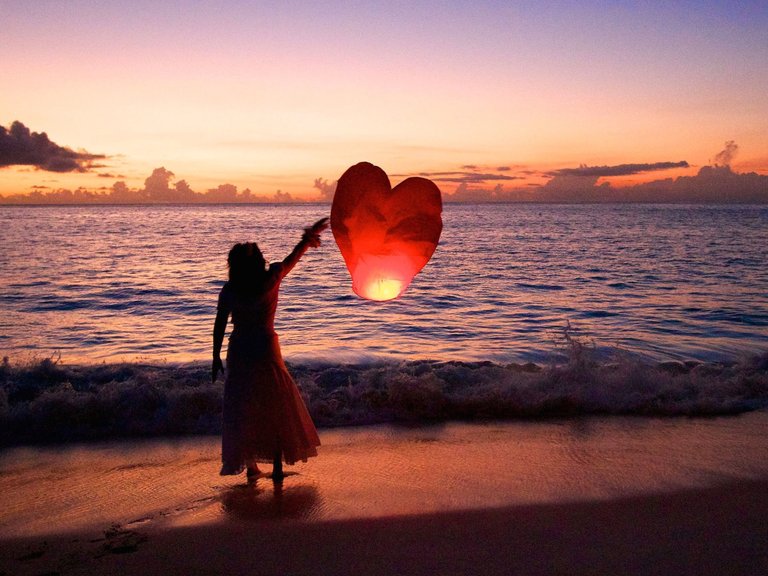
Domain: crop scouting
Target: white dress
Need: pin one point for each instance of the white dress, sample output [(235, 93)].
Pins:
[(263, 410)]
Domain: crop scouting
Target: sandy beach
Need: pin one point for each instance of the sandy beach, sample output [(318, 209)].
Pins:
[(588, 496)]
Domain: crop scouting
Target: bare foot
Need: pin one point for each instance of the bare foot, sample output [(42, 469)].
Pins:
[(228, 470)]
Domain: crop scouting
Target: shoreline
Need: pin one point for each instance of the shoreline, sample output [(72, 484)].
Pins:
[(600, 495), (708, 531), (556, 356)]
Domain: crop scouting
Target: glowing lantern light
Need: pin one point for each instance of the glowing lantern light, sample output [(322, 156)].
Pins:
[(386, 235)]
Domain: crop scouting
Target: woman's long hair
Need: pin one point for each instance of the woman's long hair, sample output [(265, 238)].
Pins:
[(247, 265)]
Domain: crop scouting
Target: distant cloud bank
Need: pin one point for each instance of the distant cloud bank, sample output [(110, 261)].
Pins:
[(21, 147), (713, 184), (159, 188), (716, 183)]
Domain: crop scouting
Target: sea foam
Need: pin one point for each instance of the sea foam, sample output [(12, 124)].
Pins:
[(49, 401)]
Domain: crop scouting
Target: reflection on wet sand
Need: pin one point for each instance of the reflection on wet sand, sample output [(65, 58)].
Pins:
[(376, 471), (265, 499)]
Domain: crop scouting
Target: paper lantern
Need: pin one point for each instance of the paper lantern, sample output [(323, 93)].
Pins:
[(386, 235)]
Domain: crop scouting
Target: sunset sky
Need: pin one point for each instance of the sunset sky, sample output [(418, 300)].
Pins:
[(273, 95)]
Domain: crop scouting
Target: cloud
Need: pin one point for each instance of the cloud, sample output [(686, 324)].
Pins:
[(716, 183), (469, 177), (470, 184), (724, 157), (711, 184), (465, 193), (21, 147), (222, 193), (619, 170), (570, 187), (459, 177), (157, 186), (327, 190)]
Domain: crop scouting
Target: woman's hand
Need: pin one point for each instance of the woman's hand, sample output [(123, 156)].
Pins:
[(216, 367), (312, 234), (319, 226)]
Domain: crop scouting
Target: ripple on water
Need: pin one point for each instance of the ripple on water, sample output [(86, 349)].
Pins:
[(593, 266)]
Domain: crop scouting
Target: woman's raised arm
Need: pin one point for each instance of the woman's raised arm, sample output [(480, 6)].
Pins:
[(310, 239)]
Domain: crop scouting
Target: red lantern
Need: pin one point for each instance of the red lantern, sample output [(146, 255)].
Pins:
[(386, 235)]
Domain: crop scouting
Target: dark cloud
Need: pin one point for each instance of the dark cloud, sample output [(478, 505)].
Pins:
[(469, 167), (21, 147), (619, 170), (724, 157), (504, 168)]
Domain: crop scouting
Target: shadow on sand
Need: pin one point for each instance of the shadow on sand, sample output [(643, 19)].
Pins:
[(702, 532)]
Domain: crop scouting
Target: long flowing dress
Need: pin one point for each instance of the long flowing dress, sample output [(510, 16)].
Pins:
[(264, 413)]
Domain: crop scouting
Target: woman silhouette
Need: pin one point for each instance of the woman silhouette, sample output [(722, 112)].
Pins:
[(264, 416)]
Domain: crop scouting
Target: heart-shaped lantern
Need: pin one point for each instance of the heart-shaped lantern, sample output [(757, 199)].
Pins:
[(386, 235)]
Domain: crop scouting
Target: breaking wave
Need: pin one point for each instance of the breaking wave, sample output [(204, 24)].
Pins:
[(48, 401)]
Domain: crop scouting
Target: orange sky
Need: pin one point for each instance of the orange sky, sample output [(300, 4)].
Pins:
[(271, 96)]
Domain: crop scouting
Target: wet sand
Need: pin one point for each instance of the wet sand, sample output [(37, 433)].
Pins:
[(609, 496)]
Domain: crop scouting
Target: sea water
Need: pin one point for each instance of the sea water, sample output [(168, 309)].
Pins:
[(525, 311), (121, 283)]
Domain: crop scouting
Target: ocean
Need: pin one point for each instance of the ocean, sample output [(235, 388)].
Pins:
[(97, 298), (128, 283)]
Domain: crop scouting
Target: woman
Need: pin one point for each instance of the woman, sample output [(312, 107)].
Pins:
[(264, 416)]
